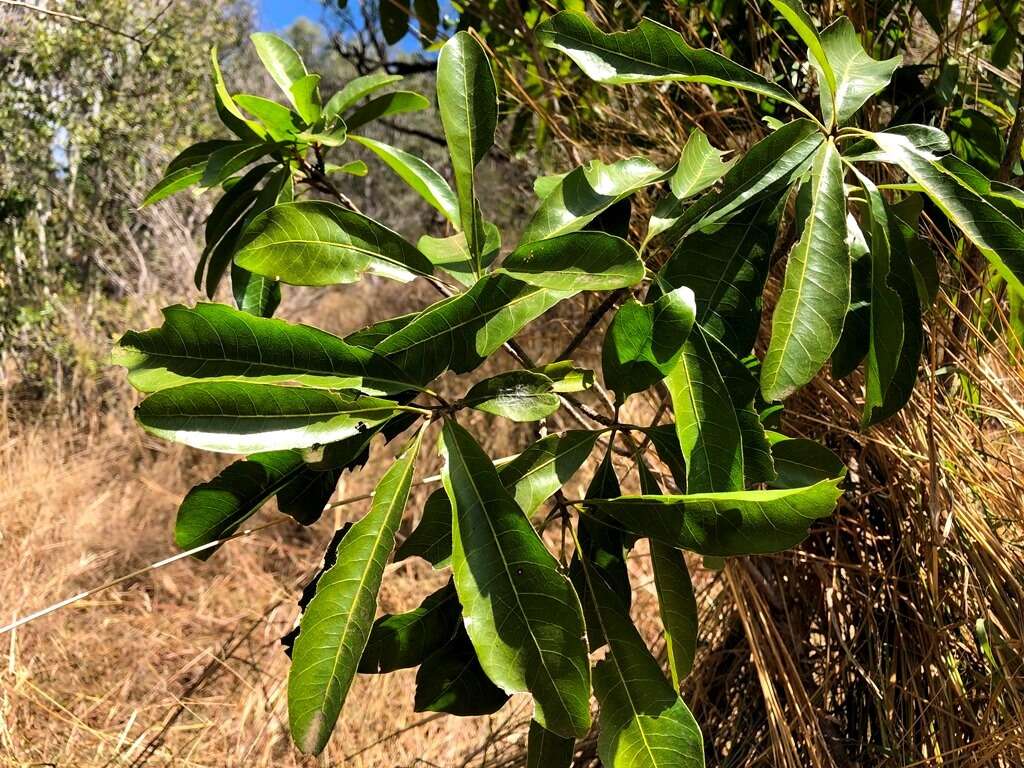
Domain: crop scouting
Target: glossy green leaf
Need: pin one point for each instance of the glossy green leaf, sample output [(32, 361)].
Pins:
[(548, 750), (643, 723), (415, 172), (650, 52), (725, 524), (793, 11), (579, 261), (768, 168), (255, 294), (352, 167), (706, 421), (566, 377), (800, 462), (521, 612), (926, 138), (515, 395), (395, 103), (452, 255), (452, 680), (336, 624), (460, 333), (404, 640), (858, 77), (997, 237), (313, 242), (468, 103), (305, 95), (726, 266), (281, 123), (815, 295), (233, 417), (228, 111), (356, 89), (281, 61), (644, 341), (214, 342), (186, 169), (586, 191), (700, 165)]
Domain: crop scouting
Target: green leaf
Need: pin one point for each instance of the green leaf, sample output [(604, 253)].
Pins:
[(858, 77), (800, 462), (726, 523), (809, 315), (307, 495), (394, 20), (521, 612), (313, 242), (700, 165), (229, 160), (356, 89), (566, 377), (228, 111), (769, 167), (352, 167), (793, 11), (186, 169), (603, 548), (305, 95), (458, 334), (452, 256), (214, 342), (706, 421), (532, 477), (579, 261), (395, 103), (468, 103), (452, 680), (280, 60), (428, 15), (516, 395), (255, 294), (643, 722), (650, 52), (586, 191), (644, 341), (281, 123), (548, 750), (336, 624), (925, 137), (415, 172), (726, 266), (404, 640), (216, 509), (676, 601), (232, 417), (997, 237), (977, 139)]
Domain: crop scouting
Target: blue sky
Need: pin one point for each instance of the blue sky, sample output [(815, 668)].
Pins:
[(275, 15)]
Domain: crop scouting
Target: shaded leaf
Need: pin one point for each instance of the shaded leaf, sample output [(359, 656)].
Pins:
[(452, 680), (452, 255), (395, 103), (186, 169), (548, 750), (800, 462), (644, 341), (355, 89), (404, 640)]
